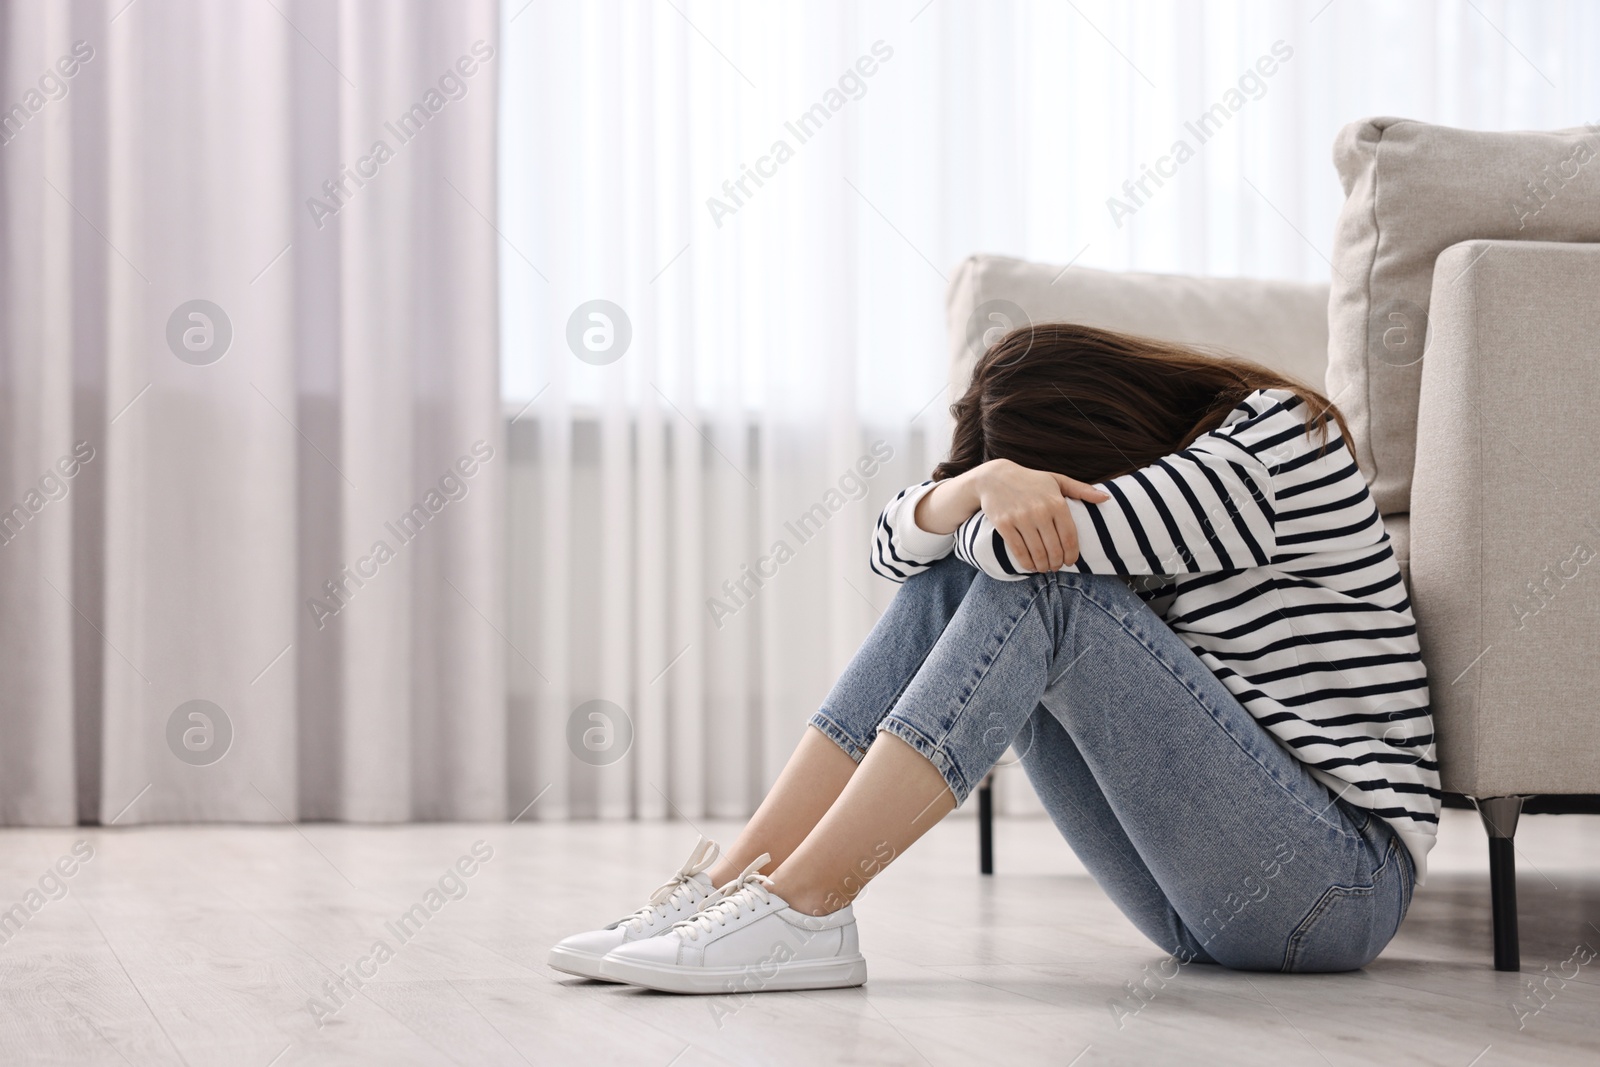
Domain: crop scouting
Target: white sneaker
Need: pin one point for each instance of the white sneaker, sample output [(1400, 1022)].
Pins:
[(750, 941), (684, 894)]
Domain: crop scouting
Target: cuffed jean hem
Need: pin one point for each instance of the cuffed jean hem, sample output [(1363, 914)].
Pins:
[(947, 768), (839, 736), (942, 762)]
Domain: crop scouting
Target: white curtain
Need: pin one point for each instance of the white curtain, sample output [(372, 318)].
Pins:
[(195, 619), (785, 304)]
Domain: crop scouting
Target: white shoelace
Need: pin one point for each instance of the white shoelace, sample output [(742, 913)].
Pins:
[(747, 890), (678, 890)]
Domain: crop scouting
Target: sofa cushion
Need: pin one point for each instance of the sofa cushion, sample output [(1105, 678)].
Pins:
[(1281, 324), (1411, 191)]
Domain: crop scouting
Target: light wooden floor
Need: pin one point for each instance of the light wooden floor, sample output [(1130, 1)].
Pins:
[(203, 945)]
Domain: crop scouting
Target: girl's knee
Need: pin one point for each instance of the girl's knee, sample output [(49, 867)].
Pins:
[(1031, 742), (948, 573)]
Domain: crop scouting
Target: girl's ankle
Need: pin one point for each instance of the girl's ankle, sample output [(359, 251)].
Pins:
[(808, 901)]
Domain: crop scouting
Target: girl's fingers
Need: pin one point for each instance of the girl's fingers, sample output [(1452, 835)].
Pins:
[(1067, 530), (1051, 536), (1053, 546), (1081, 490), (1016, 546), (1036, 547)]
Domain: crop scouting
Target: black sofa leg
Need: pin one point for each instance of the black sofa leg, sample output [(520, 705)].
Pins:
[(1499, 816), (985, 827)]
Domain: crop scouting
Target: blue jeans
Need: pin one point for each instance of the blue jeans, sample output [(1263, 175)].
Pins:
[(1211, 837)]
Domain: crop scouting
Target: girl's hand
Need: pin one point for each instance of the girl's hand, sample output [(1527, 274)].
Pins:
[(1029, 509)]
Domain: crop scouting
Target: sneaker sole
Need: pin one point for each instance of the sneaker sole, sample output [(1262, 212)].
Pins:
[(803, 974), (578, 964)]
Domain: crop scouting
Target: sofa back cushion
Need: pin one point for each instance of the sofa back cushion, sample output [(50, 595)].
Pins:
[(1281, 324), (1411, 191)]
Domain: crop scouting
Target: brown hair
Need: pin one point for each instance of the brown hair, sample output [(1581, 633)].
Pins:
[(1092, 404)]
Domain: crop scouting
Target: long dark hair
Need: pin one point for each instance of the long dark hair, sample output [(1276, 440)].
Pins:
[(1092, 404)]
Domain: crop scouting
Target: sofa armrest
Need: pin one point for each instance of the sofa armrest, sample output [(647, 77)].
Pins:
[(1505, 575)]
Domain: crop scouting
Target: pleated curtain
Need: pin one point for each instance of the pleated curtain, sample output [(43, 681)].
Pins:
[(273, 346)]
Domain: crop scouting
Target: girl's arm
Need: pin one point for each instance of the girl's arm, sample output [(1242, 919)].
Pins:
[(1208, 508), (1027, 509)]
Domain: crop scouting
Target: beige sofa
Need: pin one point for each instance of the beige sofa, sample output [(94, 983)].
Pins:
[(1461, 337)]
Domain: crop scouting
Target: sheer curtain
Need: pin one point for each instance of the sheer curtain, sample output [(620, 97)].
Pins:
[(241, 347), (770, 200)]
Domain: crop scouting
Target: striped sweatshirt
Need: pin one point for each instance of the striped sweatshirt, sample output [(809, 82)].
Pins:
[(1266, 555)]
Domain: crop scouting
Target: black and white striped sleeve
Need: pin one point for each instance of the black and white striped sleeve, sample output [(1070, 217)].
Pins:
[(1207, 509), (900, 548)]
